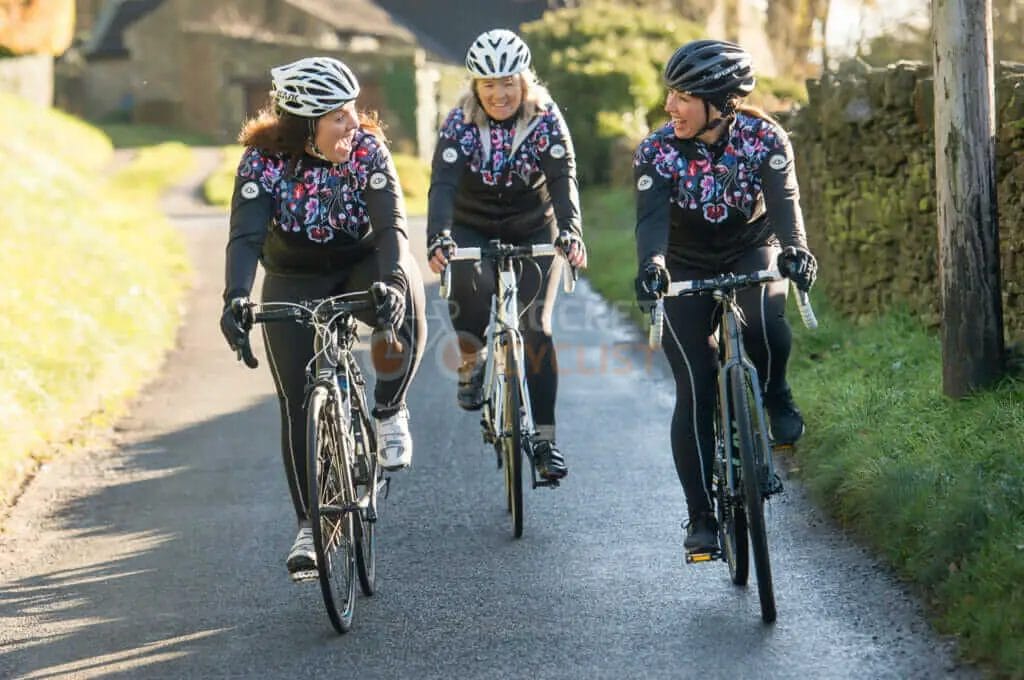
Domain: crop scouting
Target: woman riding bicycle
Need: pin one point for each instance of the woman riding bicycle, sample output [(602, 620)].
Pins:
[(504, 169), (716, 192), (318, 202)]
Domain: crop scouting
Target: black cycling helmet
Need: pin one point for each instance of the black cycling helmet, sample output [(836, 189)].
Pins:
[(717, 71)]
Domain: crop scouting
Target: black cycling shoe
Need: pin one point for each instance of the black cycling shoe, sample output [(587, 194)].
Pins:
[(471, 386), (786, 421), (549, 461), (701, 534)]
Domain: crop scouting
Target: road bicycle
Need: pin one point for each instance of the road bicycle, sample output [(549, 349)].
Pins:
[(506, 417), (743, 470), (345, 481)]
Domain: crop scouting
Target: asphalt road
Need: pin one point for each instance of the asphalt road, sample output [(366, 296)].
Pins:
[(162, 554)]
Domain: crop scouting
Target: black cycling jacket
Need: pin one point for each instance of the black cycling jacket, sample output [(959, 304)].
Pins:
[(703, 205), (318, 218), (517, 177)]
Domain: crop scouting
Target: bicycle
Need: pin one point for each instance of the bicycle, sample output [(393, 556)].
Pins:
[(506, 417), (741, 483), (344, 478)]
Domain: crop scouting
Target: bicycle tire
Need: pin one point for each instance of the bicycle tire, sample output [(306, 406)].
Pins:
[(513, 442), (742, 399), (365, 530), (330, 486), (732, 528)]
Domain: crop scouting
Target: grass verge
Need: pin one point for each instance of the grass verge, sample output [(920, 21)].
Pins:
[(413, 173), (132, 135), (93, 288), (933, 485)]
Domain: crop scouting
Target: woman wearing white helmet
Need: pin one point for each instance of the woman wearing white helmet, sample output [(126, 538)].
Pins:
[(716, 192), (504, 168), (318, 203)]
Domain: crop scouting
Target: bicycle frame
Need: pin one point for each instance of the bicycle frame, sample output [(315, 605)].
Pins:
[(334, 367), (503, 332), (734, 357)]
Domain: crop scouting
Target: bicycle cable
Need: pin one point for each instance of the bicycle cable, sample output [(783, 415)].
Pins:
[(540, 278)]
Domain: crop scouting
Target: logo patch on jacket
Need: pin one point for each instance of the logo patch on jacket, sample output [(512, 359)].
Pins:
[(250, 190)]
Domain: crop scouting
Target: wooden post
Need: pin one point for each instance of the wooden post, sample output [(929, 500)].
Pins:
[(973, 352)]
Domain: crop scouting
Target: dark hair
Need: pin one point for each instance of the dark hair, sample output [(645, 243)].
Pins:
[(273, 130), (757, 112)]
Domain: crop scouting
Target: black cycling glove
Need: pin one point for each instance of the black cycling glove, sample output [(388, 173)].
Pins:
[(443, 242), (567, 239), (235, 327), (799, 266), (390, 303), (651, 283)]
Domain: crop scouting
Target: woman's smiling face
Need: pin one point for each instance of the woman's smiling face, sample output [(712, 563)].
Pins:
[(500, 97), (687, 112), (335, 132)]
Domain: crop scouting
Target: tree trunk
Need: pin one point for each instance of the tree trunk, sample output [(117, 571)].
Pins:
[(972, 318)]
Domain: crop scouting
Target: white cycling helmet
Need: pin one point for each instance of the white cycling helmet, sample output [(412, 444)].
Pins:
[(497, 54), (313, 86)]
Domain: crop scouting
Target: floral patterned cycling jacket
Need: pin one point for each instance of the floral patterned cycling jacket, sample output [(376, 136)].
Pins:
[(507, 181), (703, 205), (319, 218)]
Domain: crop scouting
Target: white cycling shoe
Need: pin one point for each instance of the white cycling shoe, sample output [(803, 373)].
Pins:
[(394, 443), (303, 555)]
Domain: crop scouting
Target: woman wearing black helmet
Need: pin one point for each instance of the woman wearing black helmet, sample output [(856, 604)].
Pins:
[(717, 192), (317, 202), (504, 168)]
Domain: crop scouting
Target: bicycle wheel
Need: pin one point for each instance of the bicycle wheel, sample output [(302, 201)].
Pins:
[(330, 494), (743, 405), (368, 475), (732, 527), (513, 442)]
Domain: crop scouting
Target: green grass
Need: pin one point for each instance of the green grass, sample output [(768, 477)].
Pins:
[(413, 173), (93, 287), (134, 135), (935, 486), (609, 218)]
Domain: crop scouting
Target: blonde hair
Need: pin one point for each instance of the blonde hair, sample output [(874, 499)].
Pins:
[(535, 99)]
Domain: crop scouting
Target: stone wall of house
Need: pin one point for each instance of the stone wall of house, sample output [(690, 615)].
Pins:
[(29, 77), (202, 77), (866, 165)]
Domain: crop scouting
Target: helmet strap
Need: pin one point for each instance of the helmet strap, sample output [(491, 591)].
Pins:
[(312, 141)]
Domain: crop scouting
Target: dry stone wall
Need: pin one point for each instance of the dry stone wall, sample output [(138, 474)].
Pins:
[(866, 164)]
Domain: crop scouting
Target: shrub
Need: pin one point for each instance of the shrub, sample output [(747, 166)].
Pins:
[(603, 65)]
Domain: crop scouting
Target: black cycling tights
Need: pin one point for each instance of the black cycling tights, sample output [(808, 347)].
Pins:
[(290, 346), (469, 306), (691, 346)]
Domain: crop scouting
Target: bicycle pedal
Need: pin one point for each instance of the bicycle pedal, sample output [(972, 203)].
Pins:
[(698, 557), (305, 576)]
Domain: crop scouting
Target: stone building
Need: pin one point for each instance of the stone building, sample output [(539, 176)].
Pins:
[(204, 66)]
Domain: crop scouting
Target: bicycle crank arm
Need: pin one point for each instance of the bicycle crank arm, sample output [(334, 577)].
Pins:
[(335, 510)]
